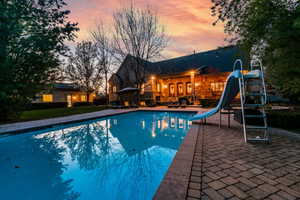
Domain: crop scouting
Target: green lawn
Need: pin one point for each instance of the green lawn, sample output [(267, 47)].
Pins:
[(57, 112)]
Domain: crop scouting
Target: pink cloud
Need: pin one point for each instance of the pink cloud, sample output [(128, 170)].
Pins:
[(188, 22)]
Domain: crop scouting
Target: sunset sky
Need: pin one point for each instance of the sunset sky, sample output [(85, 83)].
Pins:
[(188, 22)]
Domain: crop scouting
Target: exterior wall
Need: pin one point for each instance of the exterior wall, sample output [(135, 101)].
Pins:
[(62, 96), (206, 86), (202, 87)]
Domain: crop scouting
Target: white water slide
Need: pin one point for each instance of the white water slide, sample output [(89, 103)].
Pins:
[(230, 91), (236, 83)]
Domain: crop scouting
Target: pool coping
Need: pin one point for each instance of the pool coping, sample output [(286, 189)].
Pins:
[(175, 182), (23, 127)]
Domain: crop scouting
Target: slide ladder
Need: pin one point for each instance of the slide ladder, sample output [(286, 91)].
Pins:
[(253, 97)]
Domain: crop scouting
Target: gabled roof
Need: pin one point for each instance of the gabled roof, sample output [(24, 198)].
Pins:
[(221, 59), (218, 60)]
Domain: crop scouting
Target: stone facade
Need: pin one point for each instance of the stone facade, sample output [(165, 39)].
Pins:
[(170, 88)]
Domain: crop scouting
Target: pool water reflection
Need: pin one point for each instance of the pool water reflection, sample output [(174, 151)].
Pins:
[(118, 157)]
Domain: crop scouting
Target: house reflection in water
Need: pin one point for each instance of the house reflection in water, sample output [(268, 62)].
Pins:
[(163, 131)]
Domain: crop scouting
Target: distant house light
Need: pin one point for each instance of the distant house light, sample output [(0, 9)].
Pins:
[(158, 87), (47, 98), (83, 98)]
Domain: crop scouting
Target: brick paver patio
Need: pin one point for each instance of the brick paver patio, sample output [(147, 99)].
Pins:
[(224, 167)]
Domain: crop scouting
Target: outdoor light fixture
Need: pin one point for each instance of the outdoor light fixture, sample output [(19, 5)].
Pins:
[(152, 77)]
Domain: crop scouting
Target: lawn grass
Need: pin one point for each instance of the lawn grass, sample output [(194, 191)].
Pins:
[(57, 112)]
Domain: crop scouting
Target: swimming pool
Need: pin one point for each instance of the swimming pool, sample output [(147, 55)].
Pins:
[(117, 157)]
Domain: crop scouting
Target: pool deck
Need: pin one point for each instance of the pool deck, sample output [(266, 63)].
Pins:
[(223, 166), (215, 163)]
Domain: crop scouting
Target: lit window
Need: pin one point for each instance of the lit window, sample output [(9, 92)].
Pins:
[(217, 87), (172, 89), (180, 88), (158, 87), (143, 89), (47, 98), (189, 88), (114, 89), (83, 98)]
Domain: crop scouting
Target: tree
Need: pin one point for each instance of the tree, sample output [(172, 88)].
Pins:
[(271, 30), (137, 32), (105, 54), (32, 36), (84, 69)]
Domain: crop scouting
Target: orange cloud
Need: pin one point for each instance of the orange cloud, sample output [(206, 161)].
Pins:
[(188, 22)]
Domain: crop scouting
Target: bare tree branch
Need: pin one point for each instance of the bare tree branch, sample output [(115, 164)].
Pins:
[(84, 69)]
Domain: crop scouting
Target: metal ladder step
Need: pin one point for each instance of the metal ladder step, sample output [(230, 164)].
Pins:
[(257, 127), (267, 140), (253, 105), (255, 94), (255, 116), (255, 83)]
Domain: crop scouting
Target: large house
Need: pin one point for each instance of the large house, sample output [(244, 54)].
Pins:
[(193, 78)]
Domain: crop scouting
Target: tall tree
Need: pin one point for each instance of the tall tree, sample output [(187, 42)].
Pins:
[(271, 30), (32, 36), (137, 32), (105, 54), (83, 68)]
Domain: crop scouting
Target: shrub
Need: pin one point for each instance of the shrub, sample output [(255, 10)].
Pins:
[(208, 102), (285, 119), (101, 100), (115, 103), (39, 106), (78, 104)]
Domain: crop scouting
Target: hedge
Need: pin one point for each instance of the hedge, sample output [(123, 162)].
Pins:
[(78, 104), (208, 102), (286, 119), (50, 105)]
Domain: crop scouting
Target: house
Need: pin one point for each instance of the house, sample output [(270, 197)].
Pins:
[(193, 78), (63, 93)]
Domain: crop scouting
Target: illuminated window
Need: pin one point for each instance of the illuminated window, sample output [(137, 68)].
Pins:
[(172, 89), (188, 88), (47, 98), (114, 89), (143, 89), (180, 89), (158, 87), (83, 98), (217, 87), (126, 103)]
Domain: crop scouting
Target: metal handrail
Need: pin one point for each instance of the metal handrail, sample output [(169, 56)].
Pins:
[(257, 63)]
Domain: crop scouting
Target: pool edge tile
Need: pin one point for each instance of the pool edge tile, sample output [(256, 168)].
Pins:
[(175, 182)]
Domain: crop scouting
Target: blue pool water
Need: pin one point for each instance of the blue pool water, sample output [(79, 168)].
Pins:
[(118, 157)]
